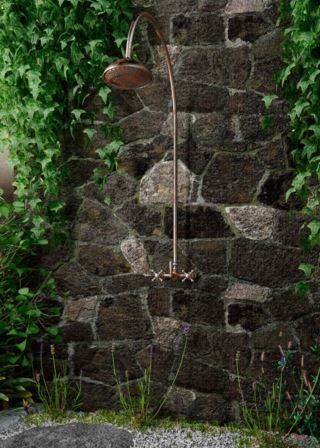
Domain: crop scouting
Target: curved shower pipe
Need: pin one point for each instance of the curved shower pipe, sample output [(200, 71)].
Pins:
[(128, 74)]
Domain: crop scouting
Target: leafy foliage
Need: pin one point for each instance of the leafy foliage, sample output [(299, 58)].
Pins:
[(52, 53), (300, 81)]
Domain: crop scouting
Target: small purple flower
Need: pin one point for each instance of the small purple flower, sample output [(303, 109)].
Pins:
[(185, 329), (152, 350)]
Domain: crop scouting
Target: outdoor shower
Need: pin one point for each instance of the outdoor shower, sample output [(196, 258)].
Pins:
[(129, 74)]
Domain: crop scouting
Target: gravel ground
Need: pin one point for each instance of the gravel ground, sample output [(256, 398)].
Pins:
[(12, 423), (155, 438), (184, 438), (174, 438)]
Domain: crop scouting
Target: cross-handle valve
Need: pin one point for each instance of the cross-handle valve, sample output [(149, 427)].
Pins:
[(157, 276), (174, 274), (191, 276)]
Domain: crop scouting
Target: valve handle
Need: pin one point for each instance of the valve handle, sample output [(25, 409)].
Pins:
[(157, 276), (189, 276)]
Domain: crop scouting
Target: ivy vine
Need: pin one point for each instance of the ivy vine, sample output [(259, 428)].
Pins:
[(300, 83), (52, 53)]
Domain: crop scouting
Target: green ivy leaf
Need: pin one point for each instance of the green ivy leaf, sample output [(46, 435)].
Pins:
[(77, 113), (314, 227), (3, 397), (107, 199), (24, 291), (53, 330), (22, 345), (90, 132), (268, 99), (307, 269), (104, 92)]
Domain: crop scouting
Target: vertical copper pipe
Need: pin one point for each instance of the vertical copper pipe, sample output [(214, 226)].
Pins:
[(158, 32)]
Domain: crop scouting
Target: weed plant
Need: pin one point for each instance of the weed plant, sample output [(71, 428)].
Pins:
[(141, 405), (289, 404), (57, 396)]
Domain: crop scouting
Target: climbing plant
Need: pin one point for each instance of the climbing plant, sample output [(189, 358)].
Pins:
[(300, 81), (53, 53)]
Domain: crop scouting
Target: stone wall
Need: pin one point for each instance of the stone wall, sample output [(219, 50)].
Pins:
[(234, 227)]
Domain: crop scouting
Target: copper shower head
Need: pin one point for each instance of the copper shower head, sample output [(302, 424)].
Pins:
[(127, 74)]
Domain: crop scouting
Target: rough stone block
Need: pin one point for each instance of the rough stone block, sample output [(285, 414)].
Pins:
[(267, 264), (159, 301), (242, 6), (227, 67), (146, 221), (125, 283), (71, 435), (209, 129), (81, 310), (76, 331), (201, 308), (309, 339), (73, 279), (101, 260), (202, 377), (180, 401), (123, 317), (252, 221), (198, 29), (196, 157), (198, 97), (156, 185), (273, 154), (247, 27), (232, 178), (247, 316), (137, 158), (197, 222), (157, 94), (166, 332), (250, 127), (179, 6), (184, 119), (97, 224), (288, 228), (120, 187), (209, 283), (210, 407), (211, 6), (285, 304), (80, 171), (209, 257), (142, 125), (134, 252), (240, 103), (266, 51), (218, 348), (96, 363), (273, 335), (98, 396), (162, 362), (273, 191), (161, 253), (268, 46), (263, 74), (246, 291)]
